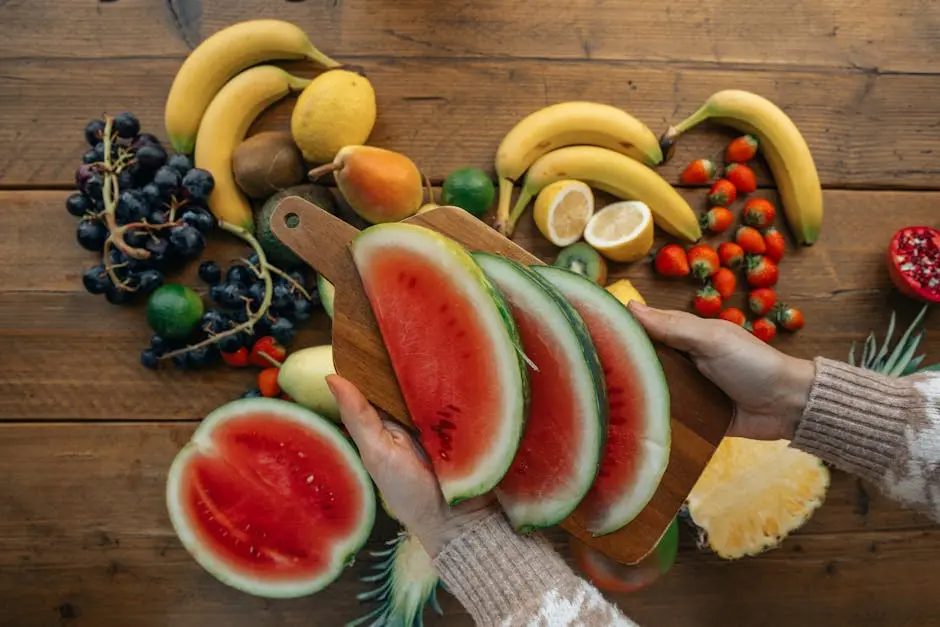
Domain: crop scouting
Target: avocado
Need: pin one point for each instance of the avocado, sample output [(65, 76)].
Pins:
[(277, 253)]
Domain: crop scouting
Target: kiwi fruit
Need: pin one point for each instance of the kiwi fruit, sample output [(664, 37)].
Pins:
[(584, 260), (276, 251), (266, 163)]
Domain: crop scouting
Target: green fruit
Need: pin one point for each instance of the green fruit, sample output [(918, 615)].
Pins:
[(327, 294), (584, 260), (173, 311), (470, 189), (276, 252)]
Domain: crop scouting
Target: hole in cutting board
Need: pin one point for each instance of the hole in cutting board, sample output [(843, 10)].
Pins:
[(292, 220)]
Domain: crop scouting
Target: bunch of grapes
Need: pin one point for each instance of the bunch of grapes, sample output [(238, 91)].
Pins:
[(142, 208)]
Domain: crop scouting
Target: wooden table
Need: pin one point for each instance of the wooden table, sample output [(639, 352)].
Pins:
[(86, 434)]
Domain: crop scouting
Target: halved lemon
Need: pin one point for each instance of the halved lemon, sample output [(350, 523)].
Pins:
[(625, 292), (622, 231), (562, 210)]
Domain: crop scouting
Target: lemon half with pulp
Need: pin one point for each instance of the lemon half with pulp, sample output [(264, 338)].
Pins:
[(622, 231), (562, 210)]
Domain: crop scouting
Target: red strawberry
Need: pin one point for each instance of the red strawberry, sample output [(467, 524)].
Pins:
[(775, 244), (267, 352), (741, 149), (239, 358), (731, 254), (704, 261), (764, 329), (717, 219), (750, 239), (725, 282), (735, 315), (722, 193), (762, 300), (707, 302), (672, 261), (742, 177), (759, 213), (267, 382), (790, 318), (761, 271), (699, 172)]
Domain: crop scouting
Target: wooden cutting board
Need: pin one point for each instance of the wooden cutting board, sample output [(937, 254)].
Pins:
[(701, 413)]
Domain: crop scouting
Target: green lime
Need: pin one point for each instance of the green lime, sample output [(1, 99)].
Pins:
[(470, 189), (173, 311)]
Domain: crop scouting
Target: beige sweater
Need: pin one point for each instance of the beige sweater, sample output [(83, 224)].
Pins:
[(883, 429)]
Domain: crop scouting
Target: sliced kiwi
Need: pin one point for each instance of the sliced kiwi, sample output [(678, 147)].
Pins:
[(584, 260)]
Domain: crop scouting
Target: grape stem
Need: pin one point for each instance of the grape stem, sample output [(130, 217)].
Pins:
[(110, 195), (297, 286)]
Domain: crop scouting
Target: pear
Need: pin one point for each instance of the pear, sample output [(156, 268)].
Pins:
[(380, 185), (303, 377)]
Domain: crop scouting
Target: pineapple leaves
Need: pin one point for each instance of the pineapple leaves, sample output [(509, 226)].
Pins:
[(899, 361)]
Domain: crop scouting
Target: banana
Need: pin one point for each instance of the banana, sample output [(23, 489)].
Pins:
[(569, 124), (224, 127), (615, 174), (783, 146), (218, 59)]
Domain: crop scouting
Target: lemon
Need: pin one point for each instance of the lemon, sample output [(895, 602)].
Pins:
[(562, 210), (622, 231), (624, 291), (336, 109)]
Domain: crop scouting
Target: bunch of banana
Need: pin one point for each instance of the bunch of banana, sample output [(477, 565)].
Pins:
[(599, 144), (218, 59), (787, 154)]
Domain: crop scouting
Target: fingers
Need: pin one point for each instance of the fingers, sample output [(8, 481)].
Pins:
[(678, 329), (361, 420)]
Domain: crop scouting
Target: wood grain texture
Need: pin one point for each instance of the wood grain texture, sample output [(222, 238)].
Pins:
[(865, 130)]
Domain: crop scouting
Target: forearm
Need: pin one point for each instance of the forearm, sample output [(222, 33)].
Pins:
[(506, 579)]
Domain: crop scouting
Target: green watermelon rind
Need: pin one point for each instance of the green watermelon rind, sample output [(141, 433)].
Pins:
[(570, 333), (487, 301), (639, 350), (258, 586)]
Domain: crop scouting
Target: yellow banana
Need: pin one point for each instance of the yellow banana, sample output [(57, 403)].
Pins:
[(615, 174), (569, 124), (224, 127), (218, 59), (783, 146)]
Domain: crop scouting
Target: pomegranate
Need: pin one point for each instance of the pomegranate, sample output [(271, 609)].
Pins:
[(914, 262)]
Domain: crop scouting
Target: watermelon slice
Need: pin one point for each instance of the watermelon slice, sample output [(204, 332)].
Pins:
[(270, 498), (638, 434), (610, 576), (455, 351), (564, 436)]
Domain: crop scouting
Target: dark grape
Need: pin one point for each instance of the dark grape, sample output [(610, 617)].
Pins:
[(263, 326), (256, 293), (151, 156), (181, 163), (148, 359), (281, 297), (144, 139), (131, 207), (167, 179), (125, 179), (215, 293), (136, 238), (159, 345), (230, 343), (94, 188), (298, 277), (117, 257), (282, 330), (181, 361), (152, 194), (186, 241), (157, 217), (158, 249), (83, 173), (96, 280), (78, 205), (91, 234), (94, 131), (231, 295), (214, 322), (126, 125), (252, 393), (203, 356), (253, 260), (199, 218), (210, 272), (238, 274), (148, 281), (301, 309), (240, 316), (198, 184), (117, 296), (90, 157)]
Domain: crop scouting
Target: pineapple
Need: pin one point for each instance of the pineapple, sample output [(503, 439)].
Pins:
[(753, 494)]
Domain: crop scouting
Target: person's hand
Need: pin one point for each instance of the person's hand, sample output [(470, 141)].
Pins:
[(769, 389), (402, 473)]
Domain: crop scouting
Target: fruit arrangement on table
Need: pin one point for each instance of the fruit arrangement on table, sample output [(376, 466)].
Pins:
[(543, 360)]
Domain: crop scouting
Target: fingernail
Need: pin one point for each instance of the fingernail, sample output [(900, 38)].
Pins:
[(637, 307), (329, 384)]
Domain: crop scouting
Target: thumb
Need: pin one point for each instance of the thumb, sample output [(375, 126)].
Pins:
[(361, 420), (677, 329)]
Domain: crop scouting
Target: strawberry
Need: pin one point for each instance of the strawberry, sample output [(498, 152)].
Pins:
[(741, 149), (762, 300), (707, 302), (750, 239), (725, 282), (267, 382), (699, 172), (717, 219), (239, 358), (735, 315), (761, 271), (775, 244), (764, 329), (267, 352), (742, 177), (730, 254), (790, 318), (672, 261), (759, 213), (704, 261), (722, 193)]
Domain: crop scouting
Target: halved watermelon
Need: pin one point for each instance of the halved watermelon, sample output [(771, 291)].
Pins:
[(455, 351), (270, 498), (564, 436), (638, 434), (612, 576)]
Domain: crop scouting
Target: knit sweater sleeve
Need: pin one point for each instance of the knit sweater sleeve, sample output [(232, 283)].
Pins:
[(884, 429), (510, 580)]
